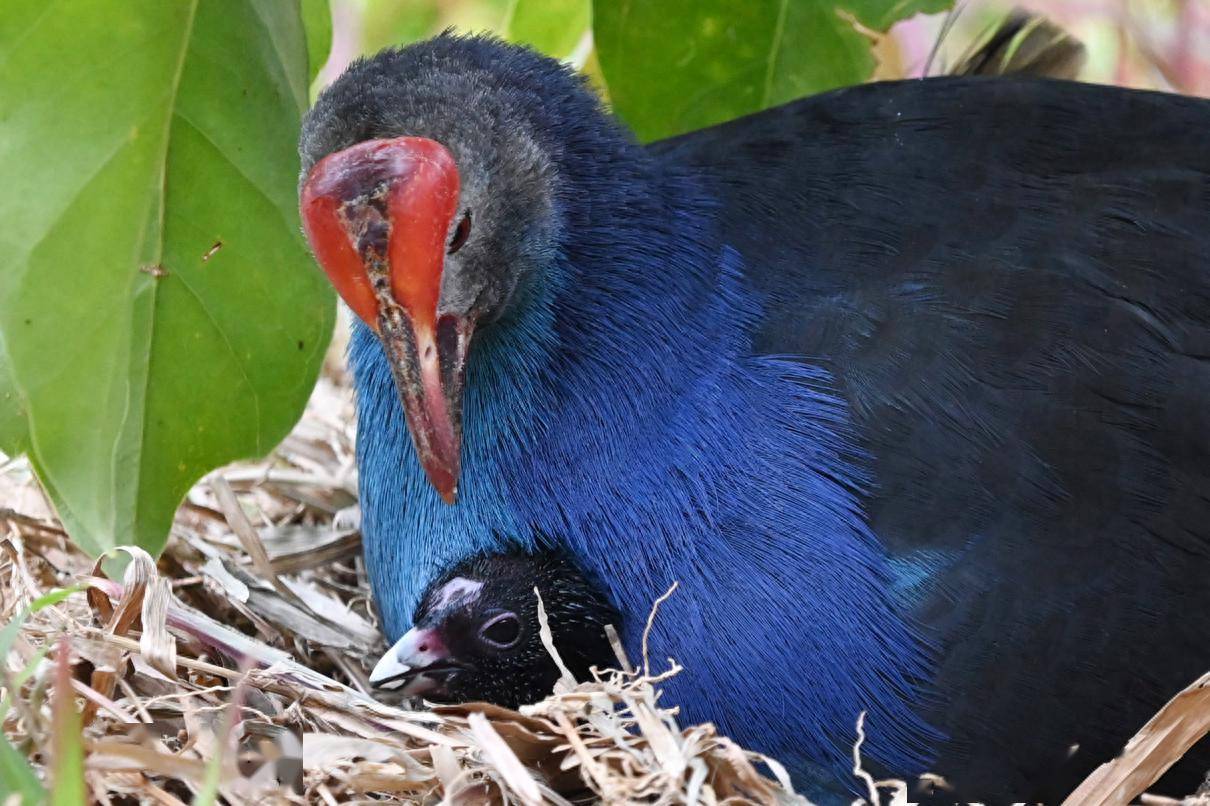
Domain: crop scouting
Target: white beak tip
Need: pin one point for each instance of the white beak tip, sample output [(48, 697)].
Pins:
[(388, 672)]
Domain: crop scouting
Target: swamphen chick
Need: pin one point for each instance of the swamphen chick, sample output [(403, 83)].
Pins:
[(905, 383), (477, 632)]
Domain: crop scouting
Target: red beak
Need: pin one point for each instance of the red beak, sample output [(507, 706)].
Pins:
[(377, 216)]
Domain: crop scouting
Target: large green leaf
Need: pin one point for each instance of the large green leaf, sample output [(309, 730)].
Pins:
[(553, 27), (679, 65), (400, 22), (135, 137), (317, 23), (14, 437)]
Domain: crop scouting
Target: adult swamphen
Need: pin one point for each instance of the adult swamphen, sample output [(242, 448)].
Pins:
[(903, 383)]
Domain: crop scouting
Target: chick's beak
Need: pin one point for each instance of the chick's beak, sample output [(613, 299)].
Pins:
[(416, 665), (377, 215)]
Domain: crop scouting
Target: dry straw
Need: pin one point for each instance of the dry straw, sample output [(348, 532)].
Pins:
[(234, 668)]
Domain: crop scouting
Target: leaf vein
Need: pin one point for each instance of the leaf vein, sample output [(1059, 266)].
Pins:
[(298, 94), (285, 217), (779, 30), (155, 297), (34, 244), (243, 370), (43, 15)]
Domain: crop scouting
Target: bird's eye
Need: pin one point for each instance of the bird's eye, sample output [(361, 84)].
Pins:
[(462, 232), (502, 631)]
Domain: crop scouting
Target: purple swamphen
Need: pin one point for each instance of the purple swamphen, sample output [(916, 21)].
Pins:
[(906, 384)]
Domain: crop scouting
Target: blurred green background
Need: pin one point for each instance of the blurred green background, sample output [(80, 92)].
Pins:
[(1152, 44)]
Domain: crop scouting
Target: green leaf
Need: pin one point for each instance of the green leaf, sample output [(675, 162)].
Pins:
[(10, 631), (680, 65), (54, 596), (207, 794), (67, 750), (141, 356), (880, 15), (17, 777), (14, 439), (317, 24), (553, 27), (397, 22)]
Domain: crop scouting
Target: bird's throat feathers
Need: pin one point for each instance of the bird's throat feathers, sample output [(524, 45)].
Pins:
[(618, 411)]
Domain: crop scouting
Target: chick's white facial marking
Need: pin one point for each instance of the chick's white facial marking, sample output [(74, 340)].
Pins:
[(458, 591)]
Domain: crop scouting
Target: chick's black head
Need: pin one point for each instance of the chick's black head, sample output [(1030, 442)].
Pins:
[(476, 635)]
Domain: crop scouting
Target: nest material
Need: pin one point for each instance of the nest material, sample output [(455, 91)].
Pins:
[(235, 667)]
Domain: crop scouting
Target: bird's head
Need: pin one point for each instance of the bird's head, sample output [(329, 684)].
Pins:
[(429, 198), (476, 633)]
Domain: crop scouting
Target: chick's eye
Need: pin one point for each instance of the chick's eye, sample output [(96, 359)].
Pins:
[(502, 631), (461, 233)]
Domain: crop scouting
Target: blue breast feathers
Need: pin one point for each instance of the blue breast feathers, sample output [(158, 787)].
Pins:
[(628, 422)]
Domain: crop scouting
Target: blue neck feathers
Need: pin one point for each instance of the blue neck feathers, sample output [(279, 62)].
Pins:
[(618, 411)]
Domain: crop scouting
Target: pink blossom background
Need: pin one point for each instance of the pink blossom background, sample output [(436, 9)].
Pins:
[(1149, 44)]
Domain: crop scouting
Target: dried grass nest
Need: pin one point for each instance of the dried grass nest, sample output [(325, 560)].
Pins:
[(234, 668)]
